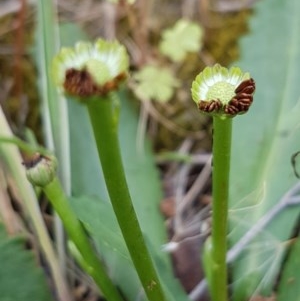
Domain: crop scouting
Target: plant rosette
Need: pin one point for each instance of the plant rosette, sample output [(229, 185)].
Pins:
[(91, 69), (225, 93)]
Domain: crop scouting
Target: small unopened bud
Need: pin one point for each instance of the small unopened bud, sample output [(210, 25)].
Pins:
[(40, 169)]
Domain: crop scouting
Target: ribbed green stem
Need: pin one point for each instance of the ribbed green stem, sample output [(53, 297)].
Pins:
[(221, 167), (104, 120), (93, 265)]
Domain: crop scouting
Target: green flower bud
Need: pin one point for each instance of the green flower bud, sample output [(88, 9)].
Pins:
[(40, 169), (222, 92), (91, 69)]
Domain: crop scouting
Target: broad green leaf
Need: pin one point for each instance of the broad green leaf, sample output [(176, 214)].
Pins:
[(21, 279), (183, 37), (99, 220), (289, 286), (155, 83), (264, 141)]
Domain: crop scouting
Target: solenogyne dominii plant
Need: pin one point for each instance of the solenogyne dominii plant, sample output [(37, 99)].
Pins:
[(222, 94), (92, 73)]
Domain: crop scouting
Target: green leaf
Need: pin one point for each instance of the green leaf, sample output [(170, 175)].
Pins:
[(155, 83), (99, 219), (183, 37), (21, 279), (264, 141), (289, 286)]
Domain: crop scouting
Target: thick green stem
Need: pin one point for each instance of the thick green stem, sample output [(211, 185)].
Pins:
[(221, 167), (92, 263), (104, 120)]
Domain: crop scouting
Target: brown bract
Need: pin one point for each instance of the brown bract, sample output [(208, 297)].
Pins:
[(33, 160), (239, 104), (243, 98), (210, 106), (81, 84)]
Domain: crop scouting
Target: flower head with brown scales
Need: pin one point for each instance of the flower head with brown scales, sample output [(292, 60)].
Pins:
[(218, 91), (91, 69)]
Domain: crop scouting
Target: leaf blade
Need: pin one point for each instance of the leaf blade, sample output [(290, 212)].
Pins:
[(265, 138), (15, 264)]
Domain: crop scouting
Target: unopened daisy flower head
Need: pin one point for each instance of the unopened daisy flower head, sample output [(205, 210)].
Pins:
[(218, 91), (91, 69), (40, 169)]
